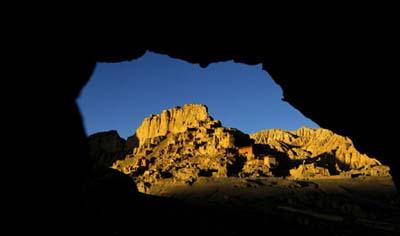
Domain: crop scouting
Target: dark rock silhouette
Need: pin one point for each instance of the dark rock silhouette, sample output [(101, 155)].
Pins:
[(105, 148)]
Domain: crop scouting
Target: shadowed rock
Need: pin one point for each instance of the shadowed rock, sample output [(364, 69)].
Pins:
[(105, 148)]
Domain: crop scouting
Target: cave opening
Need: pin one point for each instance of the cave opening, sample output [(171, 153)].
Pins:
[(120, 95)]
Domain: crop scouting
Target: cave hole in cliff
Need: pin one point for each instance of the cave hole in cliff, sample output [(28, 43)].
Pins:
[(120, 95)]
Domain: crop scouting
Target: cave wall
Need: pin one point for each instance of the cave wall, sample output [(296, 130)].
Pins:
[(344, 80)]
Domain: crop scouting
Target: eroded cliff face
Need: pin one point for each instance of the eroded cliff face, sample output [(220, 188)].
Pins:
[(316, 148), (183, 144), (175, 120)]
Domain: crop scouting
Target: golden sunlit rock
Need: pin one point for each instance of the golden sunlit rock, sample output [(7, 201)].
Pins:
[(322, 148), (175, 120), (185, 143), (312, 176)]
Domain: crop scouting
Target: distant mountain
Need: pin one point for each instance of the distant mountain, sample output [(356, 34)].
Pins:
[(184, 143)]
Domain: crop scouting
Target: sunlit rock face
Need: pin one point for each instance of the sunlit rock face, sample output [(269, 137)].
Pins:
[(182, 144), (190, 125), (174, 120), (306, 143)]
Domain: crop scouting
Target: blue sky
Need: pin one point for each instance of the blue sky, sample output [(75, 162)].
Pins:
[(120, 95)]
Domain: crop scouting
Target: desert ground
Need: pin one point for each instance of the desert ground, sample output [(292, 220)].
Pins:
[(335, 206)]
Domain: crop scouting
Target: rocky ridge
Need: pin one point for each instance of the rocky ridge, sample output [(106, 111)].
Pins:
[(320, 147), (184, 143)]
